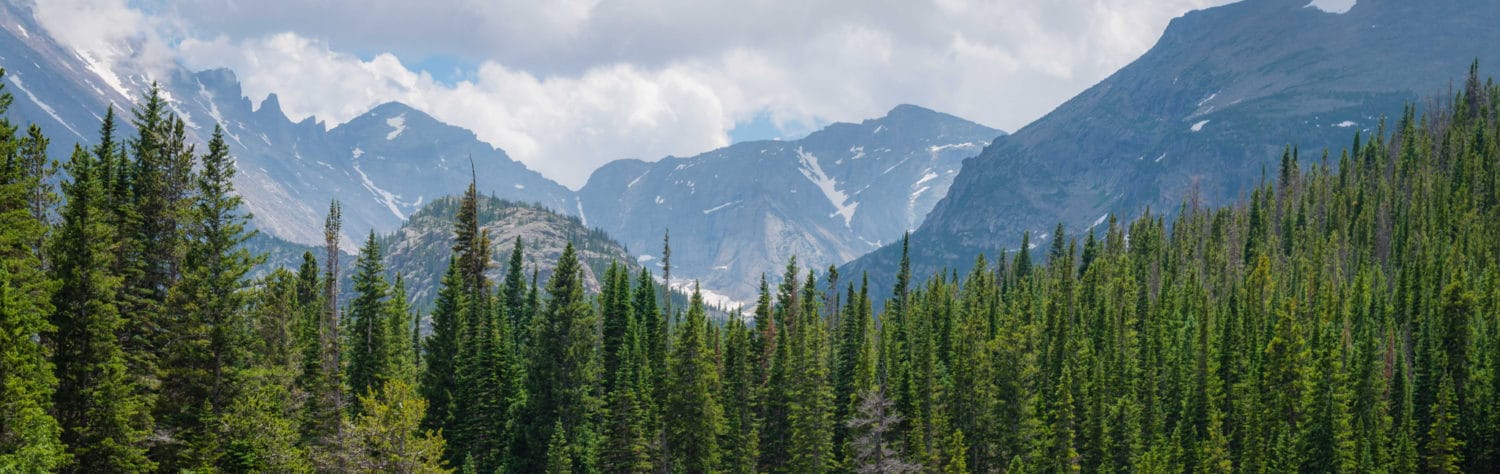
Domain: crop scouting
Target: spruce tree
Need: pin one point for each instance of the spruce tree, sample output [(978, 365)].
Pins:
[(440, 352), (402, 324), (323, 379), (562, 386), (483, 373), (514, 293), (386, 436), (626, 428), (741, 440), (693, 416), (209, 347), (616, 313), (811, 409), (29, 435), (104, 420), (369, 347)]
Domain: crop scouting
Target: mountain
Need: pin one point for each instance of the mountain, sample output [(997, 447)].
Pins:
[(57, 88), (741, 211), (1207, 110), (419, 250), (737, 212), (381, 165)]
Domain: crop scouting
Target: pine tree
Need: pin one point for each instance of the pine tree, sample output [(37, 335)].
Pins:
[(1443, 443), (741, 440), (386, 436), (694, 418), (972, 395), (514, 294), (402, 325), (563, 377), (104, 421), (627, 441), (323, 427), (369, 339), (559, 455), (811, 409), (776, 429), (483, 371), (160, 185), (871, 429), (440, 353), (616, 312), (209, 346), (29, 435)]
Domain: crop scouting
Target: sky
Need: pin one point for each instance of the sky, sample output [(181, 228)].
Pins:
[(566, 86)]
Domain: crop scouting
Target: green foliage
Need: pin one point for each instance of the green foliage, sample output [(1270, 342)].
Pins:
[(29, 434), (693, 416), (1345, 317), (563, 374), (370, 341), (387, 437), (104, 419)]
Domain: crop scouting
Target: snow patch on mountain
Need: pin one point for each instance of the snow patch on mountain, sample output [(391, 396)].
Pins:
[(582, 219), (101, 69), (928, 176), (386, 197), (397, 124), (1345, 124), (637, 179), (719, 207), (15, 78), (1198, 127), (829, 186), (935, 149), (711, 297), (1332, 6)]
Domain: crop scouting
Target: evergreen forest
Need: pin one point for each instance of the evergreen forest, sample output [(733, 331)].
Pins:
[(1342, 317)]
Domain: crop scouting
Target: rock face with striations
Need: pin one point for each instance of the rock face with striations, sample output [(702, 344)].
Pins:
[(1210, 108), (737, 212)]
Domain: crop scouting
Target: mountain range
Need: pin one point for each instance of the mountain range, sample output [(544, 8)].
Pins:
[(1208, 111), (737, 212), (740, 212), (381, 165)]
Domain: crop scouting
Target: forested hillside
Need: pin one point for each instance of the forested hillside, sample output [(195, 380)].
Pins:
[(1343, 317), (420, 249)]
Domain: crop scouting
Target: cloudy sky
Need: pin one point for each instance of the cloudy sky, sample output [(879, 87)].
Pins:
[(568, 85)]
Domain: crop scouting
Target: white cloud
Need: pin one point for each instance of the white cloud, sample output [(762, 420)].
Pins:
[(111, 32), (568, 85)]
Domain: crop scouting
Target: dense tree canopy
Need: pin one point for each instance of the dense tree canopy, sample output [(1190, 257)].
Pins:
[(1344, 316)]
